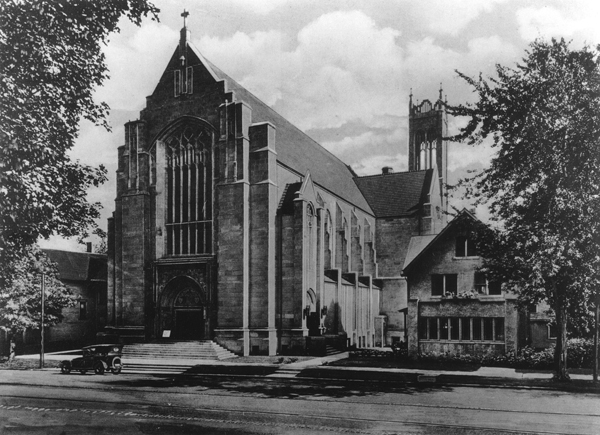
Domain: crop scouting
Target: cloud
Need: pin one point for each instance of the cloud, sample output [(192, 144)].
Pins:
[(135, 64), (343, 68), (450, 17), (256, 60), (260, 7), (372, 165), (575, 19)]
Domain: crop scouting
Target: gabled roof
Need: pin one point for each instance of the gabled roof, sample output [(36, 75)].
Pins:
[(419, 245), (78, 266), (396, 194), (415, 246), (298, 151)]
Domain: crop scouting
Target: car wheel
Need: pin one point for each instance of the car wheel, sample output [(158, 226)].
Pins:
[(116, 365), (65, 369), (83, 372), (99, 368)]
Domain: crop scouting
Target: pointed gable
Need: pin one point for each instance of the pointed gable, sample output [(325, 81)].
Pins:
[(419, 245), (295, 150), (396, 194)]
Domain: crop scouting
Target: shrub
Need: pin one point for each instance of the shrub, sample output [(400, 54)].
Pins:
[(580, 353)]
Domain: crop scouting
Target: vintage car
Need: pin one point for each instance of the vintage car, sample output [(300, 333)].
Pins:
[(99, 358)]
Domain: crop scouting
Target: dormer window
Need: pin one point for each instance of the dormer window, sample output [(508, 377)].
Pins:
[(465, 247)]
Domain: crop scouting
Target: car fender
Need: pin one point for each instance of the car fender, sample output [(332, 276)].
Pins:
[(103, 363)]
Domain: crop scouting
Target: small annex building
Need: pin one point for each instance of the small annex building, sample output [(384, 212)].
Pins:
[(232, 225), (84, 273), (452, 307)]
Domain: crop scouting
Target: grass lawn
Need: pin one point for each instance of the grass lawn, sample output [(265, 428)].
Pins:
[(390, 363), (26, 364)]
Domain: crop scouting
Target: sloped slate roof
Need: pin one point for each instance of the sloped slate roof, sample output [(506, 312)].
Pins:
[(396, 194), (423, 244), (415, 246), (298, 151), (78, 266)]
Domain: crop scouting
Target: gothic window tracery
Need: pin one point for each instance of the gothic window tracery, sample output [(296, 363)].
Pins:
[(189, 191)]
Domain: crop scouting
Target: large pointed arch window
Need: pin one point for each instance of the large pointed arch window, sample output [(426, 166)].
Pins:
[(189, 185)]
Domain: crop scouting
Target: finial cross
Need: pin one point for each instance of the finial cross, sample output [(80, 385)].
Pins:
[(184, 14)]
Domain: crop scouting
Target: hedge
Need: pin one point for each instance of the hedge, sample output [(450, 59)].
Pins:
[(580, 354)]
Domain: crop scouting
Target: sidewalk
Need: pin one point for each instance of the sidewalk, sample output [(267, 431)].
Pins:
[(319, 368)]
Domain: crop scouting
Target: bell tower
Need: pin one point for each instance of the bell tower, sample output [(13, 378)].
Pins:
[(427, 146)]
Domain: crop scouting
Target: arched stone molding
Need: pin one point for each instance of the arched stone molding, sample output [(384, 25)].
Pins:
[(183, 309), (182, 172)]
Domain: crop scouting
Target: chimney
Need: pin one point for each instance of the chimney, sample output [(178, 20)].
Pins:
[(88, 246), (386, 170)]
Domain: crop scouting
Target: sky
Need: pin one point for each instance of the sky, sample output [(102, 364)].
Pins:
[(342, 71)]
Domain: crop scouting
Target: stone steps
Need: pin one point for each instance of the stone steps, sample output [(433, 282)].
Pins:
[(156, 369), (188, 350), (330, 350)]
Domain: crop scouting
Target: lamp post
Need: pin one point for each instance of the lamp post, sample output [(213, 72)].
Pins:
[(42, 322)]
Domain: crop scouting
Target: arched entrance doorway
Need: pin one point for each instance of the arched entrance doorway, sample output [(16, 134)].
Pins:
[(183, 309)]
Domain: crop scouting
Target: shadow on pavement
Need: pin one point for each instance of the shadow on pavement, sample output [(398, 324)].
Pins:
[(279, 388)]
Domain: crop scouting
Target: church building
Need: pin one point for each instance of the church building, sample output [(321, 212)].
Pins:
[(232, 225)]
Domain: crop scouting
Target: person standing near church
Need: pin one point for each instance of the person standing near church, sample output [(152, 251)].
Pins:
[(12, 353)]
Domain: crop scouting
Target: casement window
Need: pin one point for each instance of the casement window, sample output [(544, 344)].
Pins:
[(461, 328), (442, 284), (82, 310), (465, 247), (485, 287)]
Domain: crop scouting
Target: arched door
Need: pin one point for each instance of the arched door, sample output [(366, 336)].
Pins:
[(183, 310), (188, 314)]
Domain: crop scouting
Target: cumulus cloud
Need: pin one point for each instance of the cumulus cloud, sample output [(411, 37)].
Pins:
[(343, 68), (575, 19), (135, 64), (450, 17)]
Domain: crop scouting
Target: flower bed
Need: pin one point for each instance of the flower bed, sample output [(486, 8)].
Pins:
[(580, 354)]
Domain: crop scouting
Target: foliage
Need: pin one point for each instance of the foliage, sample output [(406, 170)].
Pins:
[(581, 355), (542, 187), (20, 303), (52, 62)]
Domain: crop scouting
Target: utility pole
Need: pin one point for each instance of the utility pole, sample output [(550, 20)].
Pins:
[(597, 314), (42, 328)]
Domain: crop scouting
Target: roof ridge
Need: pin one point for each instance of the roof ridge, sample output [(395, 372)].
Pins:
[(392, 173), (278, 114)]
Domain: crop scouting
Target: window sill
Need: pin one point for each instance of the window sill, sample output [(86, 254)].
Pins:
[(471, 257)]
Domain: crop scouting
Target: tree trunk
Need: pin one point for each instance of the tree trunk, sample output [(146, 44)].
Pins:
[(560, 351)]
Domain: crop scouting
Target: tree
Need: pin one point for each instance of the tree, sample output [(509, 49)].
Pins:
[(543, 184), (20, 303), (51, 63)]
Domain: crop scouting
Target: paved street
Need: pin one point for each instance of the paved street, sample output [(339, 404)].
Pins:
[(35, 402)]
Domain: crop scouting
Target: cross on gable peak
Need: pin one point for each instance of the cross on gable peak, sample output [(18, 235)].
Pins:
[(185, 14)]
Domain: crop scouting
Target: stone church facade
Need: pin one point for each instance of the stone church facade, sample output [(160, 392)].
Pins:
[(232, 225)]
